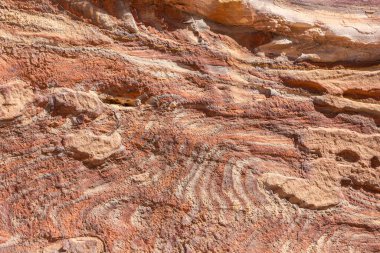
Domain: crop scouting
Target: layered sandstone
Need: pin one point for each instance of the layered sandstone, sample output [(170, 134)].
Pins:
[(189, 126)]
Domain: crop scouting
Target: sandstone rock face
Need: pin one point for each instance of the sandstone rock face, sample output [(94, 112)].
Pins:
[(306, 30), (189, 126)]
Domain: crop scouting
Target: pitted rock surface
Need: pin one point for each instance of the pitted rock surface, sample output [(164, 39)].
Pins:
[(189, 126)]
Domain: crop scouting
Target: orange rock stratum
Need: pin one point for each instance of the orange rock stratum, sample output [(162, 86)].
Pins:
[(190, 126)]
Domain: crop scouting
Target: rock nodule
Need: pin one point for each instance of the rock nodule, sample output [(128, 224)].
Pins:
[(93, 149)]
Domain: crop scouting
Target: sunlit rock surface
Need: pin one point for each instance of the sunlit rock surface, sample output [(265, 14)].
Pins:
[(189, 126)]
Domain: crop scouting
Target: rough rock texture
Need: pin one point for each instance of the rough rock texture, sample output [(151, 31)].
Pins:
[(76, 245), (189, 126), (14, 97), (299, 191), (91, 148), (70, 102)]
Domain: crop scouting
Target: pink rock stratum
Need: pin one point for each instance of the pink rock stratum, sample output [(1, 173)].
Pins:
[(189, 126)]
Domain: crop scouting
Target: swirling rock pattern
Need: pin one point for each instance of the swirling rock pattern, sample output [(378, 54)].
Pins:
[(189, 126)]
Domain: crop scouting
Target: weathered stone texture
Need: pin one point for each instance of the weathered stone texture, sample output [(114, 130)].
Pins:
[(189, 126)]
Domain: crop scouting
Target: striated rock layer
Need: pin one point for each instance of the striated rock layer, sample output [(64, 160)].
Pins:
[(189, 126)]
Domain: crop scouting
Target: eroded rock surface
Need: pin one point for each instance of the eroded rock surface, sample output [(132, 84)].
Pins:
[(189, 126), (70, 102), (91, 148), (300, 192), (76, 245), (14, 97)]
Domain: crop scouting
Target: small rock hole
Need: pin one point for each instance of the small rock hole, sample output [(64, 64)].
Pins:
[(349, 156), (345, 182), (127, 102), (375, 162)]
